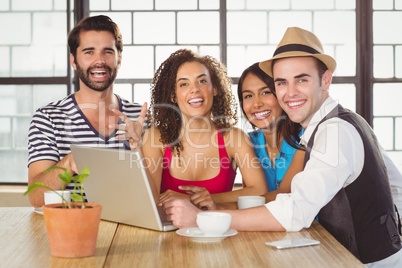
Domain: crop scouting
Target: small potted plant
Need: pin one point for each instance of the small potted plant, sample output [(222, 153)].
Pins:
[(72, 226)]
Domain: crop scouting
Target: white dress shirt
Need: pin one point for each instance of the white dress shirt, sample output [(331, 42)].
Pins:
[(336, 160)]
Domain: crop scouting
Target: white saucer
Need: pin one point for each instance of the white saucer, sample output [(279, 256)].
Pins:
[(39, 211), (196, 235)]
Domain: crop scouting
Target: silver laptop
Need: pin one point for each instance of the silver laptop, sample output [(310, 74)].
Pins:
[(118, 182)]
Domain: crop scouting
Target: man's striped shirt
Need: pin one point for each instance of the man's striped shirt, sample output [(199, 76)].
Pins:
[(59, 124)]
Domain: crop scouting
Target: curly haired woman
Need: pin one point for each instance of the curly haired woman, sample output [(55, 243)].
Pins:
[(190, 140)]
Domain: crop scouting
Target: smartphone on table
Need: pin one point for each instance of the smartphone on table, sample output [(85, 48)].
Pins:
[(292, 243)]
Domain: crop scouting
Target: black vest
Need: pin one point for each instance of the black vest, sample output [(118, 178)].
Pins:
[(361, 216)]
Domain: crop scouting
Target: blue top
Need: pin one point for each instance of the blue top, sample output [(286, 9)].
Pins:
[(274, 175)]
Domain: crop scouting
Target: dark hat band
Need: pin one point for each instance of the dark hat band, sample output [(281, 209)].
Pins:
[(295, 47)]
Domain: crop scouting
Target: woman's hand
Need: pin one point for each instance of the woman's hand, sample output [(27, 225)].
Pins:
[(133, 129), (170, 195), (200, 197)]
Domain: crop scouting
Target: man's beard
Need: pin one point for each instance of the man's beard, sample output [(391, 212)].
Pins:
[(85, 77)]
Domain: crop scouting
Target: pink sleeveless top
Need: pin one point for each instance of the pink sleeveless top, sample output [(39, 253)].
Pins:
[(223, 182)]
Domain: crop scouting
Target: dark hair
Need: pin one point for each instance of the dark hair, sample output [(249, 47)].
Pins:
[(164, 113), (96, 23), (285, 127)]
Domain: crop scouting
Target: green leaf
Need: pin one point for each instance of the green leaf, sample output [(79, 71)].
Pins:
[(33, 186), (65, 177), (77, 198)]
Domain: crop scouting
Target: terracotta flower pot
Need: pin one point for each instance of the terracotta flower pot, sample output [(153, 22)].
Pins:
[(72, 232)]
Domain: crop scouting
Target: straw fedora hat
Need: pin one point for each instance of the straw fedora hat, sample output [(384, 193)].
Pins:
[(298, 42)]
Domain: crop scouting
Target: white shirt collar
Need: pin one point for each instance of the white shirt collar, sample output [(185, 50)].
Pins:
[(328, 105)]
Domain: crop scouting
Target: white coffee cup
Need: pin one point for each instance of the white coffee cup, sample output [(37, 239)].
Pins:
[(214, 223), (250, 201), (52, 198)]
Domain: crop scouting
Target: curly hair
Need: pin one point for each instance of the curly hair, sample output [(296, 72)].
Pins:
[(165, 115)]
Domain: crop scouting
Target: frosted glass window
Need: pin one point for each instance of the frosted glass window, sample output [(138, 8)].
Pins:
[(175, 4), (198, 28), (160, 28), (123, 21), (5, 133), (235, 4), (398, 61), (33, 61), (279, 21), (209, 4), (329, 30), (10, 172), (44, 94), (213, 51), (345, 57), (268, 4), (61, 5), (247, 28), (398, 133), (163, 52), (20, 132), (345, 94), (236, 60), (21, 24), (4, 5), (398, 4), (49, 28), (15, 100), (345, 4), (313, 4), (124, 90), (383, 129), (384, 24), (100, 4), (25, 5), (382, 4), (132, 5), (137, 62), (387, 98), (383, 62), (259, 53), (4, 62), (142, 93)]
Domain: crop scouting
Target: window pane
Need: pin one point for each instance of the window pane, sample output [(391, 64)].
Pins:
[(345, 94), (198, 28), (209, 4), (142, 93), (387, 99), (313, 4), (156, 33), (398, 133), (124, 90), (36, 41), (100, 4), (382, 4), (383, 129), (17, 105), (383, 27), (131, 5), (137, 62), (247, 28), (398, 61), (383, 61), (176, 4)]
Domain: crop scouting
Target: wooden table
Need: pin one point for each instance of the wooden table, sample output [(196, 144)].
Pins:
[(23, 243)]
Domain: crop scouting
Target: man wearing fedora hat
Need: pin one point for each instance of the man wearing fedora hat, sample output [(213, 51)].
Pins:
[(345, 178)]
